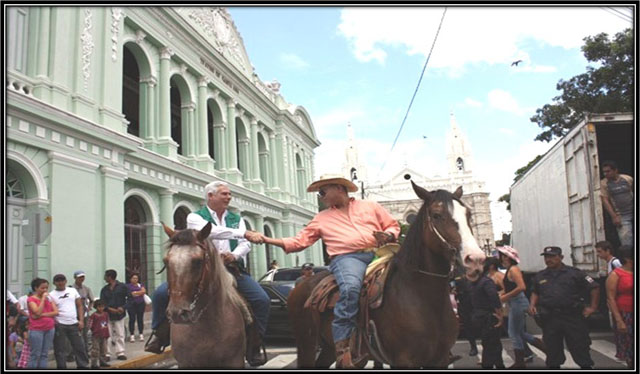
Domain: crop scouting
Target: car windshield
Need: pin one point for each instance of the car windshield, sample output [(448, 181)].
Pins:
[(287, 275)]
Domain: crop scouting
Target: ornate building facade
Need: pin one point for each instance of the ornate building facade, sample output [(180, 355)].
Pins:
[(397, 196), (116, 119)]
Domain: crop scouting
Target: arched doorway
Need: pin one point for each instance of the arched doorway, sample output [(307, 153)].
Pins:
[(15, 211), (247, 265), (269, 248), (180, 218), (135, 241)]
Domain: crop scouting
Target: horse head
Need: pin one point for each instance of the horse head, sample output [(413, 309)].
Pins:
[(190, 262), (446, 228)]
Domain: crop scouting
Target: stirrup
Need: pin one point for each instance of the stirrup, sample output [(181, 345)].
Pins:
[(162, 347)]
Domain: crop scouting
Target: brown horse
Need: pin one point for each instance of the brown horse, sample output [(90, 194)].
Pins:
[(207, 313), (416, 326)]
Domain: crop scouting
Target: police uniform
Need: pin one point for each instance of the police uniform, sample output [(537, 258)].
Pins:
[(560, 309)]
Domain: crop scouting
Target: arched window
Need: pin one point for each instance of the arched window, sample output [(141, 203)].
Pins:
[(14, 186), (135, 239), (131, 92), (460, 164)]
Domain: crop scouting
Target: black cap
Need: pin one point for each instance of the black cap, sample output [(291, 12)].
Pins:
[(307, 265), (551, 251), (59, 277)]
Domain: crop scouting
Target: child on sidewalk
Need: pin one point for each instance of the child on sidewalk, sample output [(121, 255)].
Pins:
[(99, 326), (23, 335)]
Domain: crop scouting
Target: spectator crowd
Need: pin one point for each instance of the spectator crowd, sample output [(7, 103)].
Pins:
[(72, 322)]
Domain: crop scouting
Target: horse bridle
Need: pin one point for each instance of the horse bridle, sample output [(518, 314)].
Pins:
[(200, 288), (449, 247)]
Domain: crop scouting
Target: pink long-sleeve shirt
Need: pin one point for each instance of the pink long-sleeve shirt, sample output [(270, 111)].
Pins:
[(344, 233)]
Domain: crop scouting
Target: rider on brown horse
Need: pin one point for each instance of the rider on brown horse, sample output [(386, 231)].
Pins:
[(351, 229), (228, 235)]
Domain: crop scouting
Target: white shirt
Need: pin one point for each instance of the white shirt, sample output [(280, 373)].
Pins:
[(66, 302), (11, 297), (220, 233), (22, 300), (612, 264)]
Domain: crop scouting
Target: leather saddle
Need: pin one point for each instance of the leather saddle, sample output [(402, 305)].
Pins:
[(364, 342)]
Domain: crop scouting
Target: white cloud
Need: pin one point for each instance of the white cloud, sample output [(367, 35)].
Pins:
[(339, 117), (293, 61), (472, 103), (507, 131), (471, 35), (503, 100)]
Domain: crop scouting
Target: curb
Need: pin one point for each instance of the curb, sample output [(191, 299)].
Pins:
[(144, 361)]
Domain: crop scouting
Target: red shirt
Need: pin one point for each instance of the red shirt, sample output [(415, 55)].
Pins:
[(624, 291), (42, 323), (99, 325)]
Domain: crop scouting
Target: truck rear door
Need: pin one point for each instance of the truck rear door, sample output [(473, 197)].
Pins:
[(585, 213)]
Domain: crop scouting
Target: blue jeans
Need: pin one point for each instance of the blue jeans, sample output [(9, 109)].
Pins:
[(40, 343), (257, 298), (160, 302), (349, 271), (247, 287), (518, 306), (625, 232)]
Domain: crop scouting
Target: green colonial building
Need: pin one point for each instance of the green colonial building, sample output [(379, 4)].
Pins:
[(115, 120)]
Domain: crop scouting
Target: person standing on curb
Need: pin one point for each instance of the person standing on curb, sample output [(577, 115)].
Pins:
[(69, 324)]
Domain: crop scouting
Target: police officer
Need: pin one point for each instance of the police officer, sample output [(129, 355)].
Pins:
[(557, 305)]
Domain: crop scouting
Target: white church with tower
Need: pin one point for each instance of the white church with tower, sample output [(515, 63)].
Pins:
[(397, 196)]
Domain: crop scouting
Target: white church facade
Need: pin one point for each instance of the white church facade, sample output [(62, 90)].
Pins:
[(397, 196)]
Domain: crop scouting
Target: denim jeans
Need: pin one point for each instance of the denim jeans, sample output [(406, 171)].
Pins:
[(40, 342), (73, 334), (247, 287), (518, 306), (257, 298), (625, 232), (349, 271), (159, 305)]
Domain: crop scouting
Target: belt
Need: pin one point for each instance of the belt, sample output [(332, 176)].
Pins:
[(357, 251)]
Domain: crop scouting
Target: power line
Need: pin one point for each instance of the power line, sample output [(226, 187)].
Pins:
[(627, 16), (615, 13), (416, 90)]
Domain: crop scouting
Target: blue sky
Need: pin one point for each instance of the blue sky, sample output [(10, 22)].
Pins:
[(361, 66)]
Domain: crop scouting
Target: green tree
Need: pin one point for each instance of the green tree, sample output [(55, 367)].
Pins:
[(602, 89)]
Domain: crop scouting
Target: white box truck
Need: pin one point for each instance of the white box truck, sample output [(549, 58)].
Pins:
[(557, 202)]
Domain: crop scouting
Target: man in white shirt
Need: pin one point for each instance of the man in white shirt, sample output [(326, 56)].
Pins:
[(231, 238), (69, 323)]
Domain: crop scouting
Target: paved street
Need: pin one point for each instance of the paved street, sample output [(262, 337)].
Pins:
[(282, 355)]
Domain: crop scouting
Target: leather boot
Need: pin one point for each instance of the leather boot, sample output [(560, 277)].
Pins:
[(343, 355), (519, 362), (538, 343), (256, 354), (159, 339)]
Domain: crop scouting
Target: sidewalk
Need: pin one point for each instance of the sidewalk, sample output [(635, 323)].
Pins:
[(136, 355)]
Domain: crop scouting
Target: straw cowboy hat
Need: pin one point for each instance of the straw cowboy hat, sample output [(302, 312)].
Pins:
[(332, 179), (510, 252)]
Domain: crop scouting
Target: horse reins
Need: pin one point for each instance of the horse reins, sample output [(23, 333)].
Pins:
[(449, 247), (200, 288)]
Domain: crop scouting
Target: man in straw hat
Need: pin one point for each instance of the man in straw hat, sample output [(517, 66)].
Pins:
[(351, 230)]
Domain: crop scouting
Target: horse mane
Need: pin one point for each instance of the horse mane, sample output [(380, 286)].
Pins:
[(412, 253), (221, 279)]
